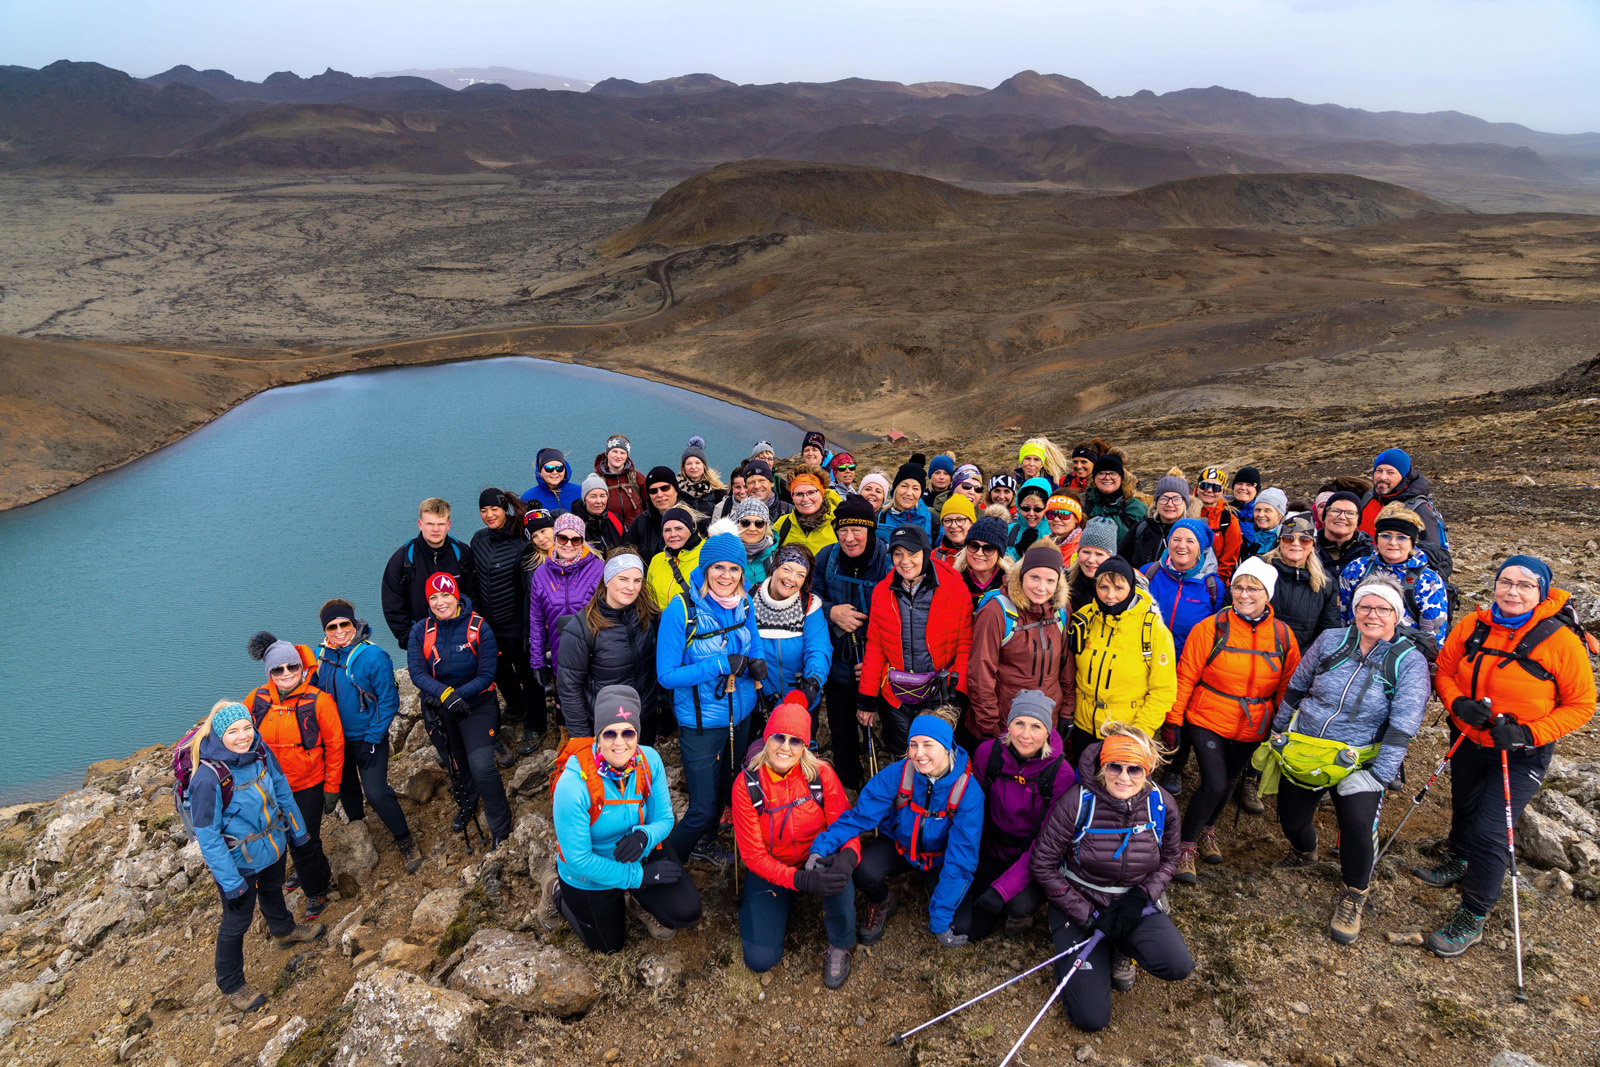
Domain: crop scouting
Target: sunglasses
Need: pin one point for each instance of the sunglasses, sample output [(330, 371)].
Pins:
[(553, 468), (1031, 511), (1124, 770), (655, 489), (1299, 539), (286, 668), (970, 487), (626, 733), (981, 549), (844, 466), (568, 539), (339, 624), (785, 741), (1210, 487), (752, 524)]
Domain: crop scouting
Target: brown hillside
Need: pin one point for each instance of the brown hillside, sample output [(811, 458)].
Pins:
[(1261, 202)]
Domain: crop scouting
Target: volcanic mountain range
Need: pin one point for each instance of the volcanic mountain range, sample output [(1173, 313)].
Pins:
[(85, 118)]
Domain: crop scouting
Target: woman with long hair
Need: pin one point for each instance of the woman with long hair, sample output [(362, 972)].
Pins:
[(699, 485), (611, 641)]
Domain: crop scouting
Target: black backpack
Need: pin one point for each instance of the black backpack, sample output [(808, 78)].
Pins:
[(1522, 654)]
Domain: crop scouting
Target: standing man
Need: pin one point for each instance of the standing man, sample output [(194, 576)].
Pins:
[(1395, 479), (846, 574), (433, 550)]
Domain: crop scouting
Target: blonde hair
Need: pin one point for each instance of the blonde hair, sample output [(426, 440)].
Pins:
[(1055, 460), (711, 477), (810, 765), (1398, 510), (434, 506), (203, 731), (1157, 752), (942, 771), (1312, 566)]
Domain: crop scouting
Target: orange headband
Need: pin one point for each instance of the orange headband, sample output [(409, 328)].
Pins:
[(1119, 748), (807, 476)]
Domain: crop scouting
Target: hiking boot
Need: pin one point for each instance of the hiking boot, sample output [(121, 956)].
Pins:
[(1250, 796), (657, 930), (409, 854), (726, 822), (301, 933), (530, 742), (711, 854), (1123, 970), (1172, 782), (315, 906), (291, 883), (1345, 926), (504, 754), (1187, 851), (549, 911), (835, 966), (870, 929), (1444, 875), (1207, 844), (245, 999), (1295, 860), (1460, 932)]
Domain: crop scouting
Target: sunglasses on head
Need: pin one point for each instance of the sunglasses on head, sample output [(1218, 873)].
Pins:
[(339, 624), (553, 468), (1130, 770), (569, 539), (286, 668), (619, 733), (752, 524), (785, 741)]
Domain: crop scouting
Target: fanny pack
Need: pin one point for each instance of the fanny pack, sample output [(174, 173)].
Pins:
[(1314, 762), (913, 687)]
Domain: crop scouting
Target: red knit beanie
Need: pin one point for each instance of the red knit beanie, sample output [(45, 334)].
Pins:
[(790, 717)]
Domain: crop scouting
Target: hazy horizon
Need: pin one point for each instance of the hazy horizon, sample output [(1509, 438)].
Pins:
[(1524, 61)]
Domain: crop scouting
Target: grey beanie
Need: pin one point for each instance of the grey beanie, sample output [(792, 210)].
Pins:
[(616, 704), (1172, 484), (697, 449), (1031, 704), (1276, 499), (763, 446), (751, 508), (278, 653), (592, 482), (1099, 532)]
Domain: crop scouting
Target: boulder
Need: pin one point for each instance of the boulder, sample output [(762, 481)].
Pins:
[(88, 923), (19, 888), (1543, 841), (420, 778), (146, 870), (531, 776), (1564, 809), (351, 855), (436, 912), (1507, 1058), (398, 1020), (274, 1049), (657, 971), (358, 939), (398, 952), (20, 1000), (519, 971), (81, 812), (193, 862), (1585, 856)]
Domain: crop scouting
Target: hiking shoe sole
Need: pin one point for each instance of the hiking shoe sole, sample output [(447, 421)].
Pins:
[(315, 906)]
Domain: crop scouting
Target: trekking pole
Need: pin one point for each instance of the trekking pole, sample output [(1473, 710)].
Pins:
[(1511, 847), (898, 1039), (1416, 801), (733, 759), (1094, 939)]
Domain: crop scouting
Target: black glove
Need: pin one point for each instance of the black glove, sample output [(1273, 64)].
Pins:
[(546, 678), (455, 703), (366, 755), (661, 872), (630, 848), (756, 670), (329, 802), (1119, 918), (241, 902), (843, 861), (1169, 735), (1475, 713), (822, 882), (989, 902), (811, 688), (737, 665), (1508, 734)]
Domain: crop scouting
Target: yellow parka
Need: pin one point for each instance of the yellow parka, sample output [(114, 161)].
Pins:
[(1127, 670), (663, 583)]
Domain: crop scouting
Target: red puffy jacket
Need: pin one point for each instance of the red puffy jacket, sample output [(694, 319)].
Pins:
[(948, 636), (776, 842)]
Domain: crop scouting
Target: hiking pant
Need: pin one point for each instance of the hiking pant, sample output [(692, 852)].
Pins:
[(524, 697), (1180, 755), (764, 917), (708, 779), (1078, 739), (844, 732), (1155, 943), (1478, 814), (372, 784), (1358, 826), (1221, 763), (879, 861), (977, 924), (896, 729), (310, 862), (471, 739), (265, 887), (600, 919)]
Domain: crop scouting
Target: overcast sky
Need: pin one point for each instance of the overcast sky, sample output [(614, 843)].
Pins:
[(1531, 61)]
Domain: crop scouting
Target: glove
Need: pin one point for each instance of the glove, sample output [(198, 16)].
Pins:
[(811, 688), (329, 802), (1119, 918), (737, 665), (630, 848), (1358, 782), (843, 861), (366, 755), (1475, 713), (546, 677), (242, 902), (1169, 735), (1508, 734), (661, 872), (756, 670), (990, 902), (950, 939), (822, 882), (454, 702)]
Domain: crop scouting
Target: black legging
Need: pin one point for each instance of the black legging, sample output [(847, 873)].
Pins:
[(977, 924), (600, 919), (1155, 943), (1221, 763), (844, 732), (1358, 826), (524, 697)]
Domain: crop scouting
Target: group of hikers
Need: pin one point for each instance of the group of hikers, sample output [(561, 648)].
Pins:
[(991, 682)]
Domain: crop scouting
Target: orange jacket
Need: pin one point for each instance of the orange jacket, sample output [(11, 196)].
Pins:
[(1225, 543), (279, 727), (778, 840), (1548, 709), (1254, 664)]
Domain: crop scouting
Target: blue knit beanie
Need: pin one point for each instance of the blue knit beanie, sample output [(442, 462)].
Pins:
[(934, 728), (989, 531), (226, 716), (1396, 458), (1198, 527), (942, 463), (720, 548), (1539, 567)]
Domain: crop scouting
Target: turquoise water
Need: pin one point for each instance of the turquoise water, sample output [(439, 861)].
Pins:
[(134, 593)]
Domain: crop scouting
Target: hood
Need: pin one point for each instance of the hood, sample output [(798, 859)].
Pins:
[(567, 566), (1415, 485), (213, 748), (550, 455), (600, 466), (1014, 592)]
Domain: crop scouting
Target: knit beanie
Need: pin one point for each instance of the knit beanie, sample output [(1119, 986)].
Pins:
[(1379, 584), (616, 705), (538, 519), (1041, 557), (1198, 527), (226, 716), (876, 479), (678, 513), (751, 508), (1171, 483), (989, 531), (1109, 462), (621, 441), (492, 498), (1261, 571), (1537, 569), (758, 467), (816, 440), (720, 548), (911, 537), (854, 510), (1348, 497), (568, 523), (1118, 565), (619, 563), (763, 446), (697, 449), (967, 472), (942, 463), (910, 472), (1039, 487), (1396, 458), (1298, 524), (958, 505), (592, 482), (1247, 476), (279, 653), (1031, 704), (551, 455), (443, 582), (1003, 481), (1274, 498), (934, 729), (1031, 448), (790, 718), (1099, 532), (661, 476)]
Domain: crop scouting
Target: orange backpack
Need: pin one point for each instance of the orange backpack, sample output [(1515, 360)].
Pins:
[(583, 749)]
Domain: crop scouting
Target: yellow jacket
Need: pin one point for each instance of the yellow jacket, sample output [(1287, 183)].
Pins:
[(787, 530), (663, 585), (1127, 669)]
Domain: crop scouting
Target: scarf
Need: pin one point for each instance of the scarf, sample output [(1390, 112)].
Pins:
[(1118, 608), (1511, 622), (816, 520), (697, 490), (729, 602), (613, 773), (788, 614), (752, 552)]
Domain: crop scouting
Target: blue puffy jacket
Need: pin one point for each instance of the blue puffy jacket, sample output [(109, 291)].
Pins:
[(956, 837), (565, 496), (890, 520), (1185, 600), (795, 654), (457, 665), (1347, 702), (691, 668), (1422, 585), (252, 832), (583, 855), (360, 678), (854, 587)]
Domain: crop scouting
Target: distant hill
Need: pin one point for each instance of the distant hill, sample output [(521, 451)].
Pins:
[(1259, 202), (687, 83), (287, 87), (463, 77)]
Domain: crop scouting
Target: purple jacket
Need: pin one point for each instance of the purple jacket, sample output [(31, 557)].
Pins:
[(1145, 863), (558, 588), (1014, 810)]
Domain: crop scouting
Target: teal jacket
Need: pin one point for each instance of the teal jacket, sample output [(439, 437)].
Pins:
[(583, 850)]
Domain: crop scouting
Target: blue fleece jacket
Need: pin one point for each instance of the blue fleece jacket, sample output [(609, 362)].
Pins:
[(261, 818), (583, 858), (360, 678)]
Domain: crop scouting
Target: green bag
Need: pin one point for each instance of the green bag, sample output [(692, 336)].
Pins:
[(1313, 762)]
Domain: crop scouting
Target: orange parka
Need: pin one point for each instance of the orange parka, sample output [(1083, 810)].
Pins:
[(1548, 708), (277, 719), (1234, 694)]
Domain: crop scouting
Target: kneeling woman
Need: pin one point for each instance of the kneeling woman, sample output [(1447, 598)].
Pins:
[(929, 809), (1353, 705), (1105, 857), (784, 798), (612, 809)]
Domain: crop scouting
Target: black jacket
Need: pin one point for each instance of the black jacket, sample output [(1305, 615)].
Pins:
[(1148, 541), (1302, 609), (603, 532), (501, 588), (622, 654), (1334, 557), (405, 580)]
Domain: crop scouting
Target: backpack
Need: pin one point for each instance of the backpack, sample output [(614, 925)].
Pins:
[(1213, 585), (1389, 671), (1439, 557), (183, 775), (1522, 654), (903, 798), (367, 698), (1011, 613), (758, 797), (1155, 821), (430, 639), (410, 563), (589, 771), (1043, 784), (304, 707)]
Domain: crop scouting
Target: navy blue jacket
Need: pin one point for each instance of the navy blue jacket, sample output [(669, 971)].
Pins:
[(470, 673), (855, 588)]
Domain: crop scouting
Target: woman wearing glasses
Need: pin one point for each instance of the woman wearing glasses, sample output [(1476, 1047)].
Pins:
[(612, 810), (1352, 707), (782, 800), (300, 724), (562, 586), (1033, 500), (842, 472), (1104, 858), (554, 490), (1306, 597), (1211, 504), (1342, 539), (752, 522), (982, 561), (1425, 597)]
